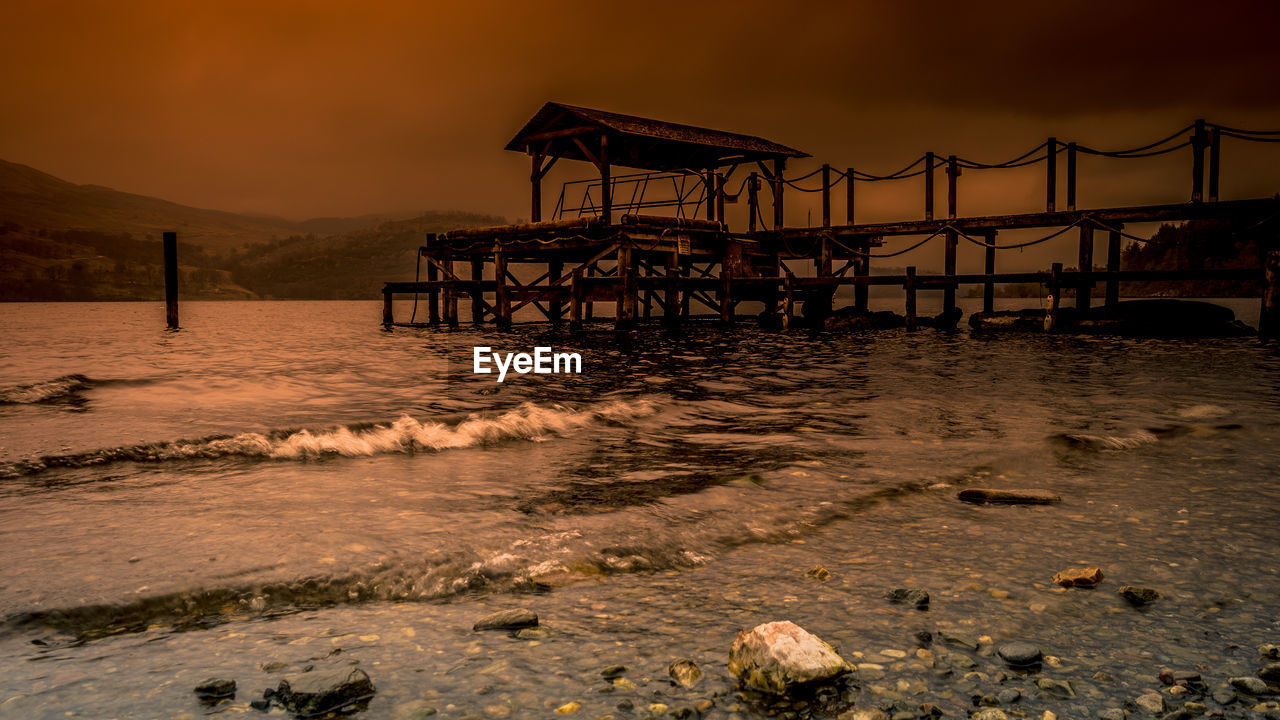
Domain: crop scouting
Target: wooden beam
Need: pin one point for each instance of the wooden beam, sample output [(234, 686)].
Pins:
[(567, 132), (928, 186)]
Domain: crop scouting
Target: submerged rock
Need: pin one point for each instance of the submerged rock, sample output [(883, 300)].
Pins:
[(851, 319), (1020, 654), (1029, 320), (1078, 577), (918, 597), (863, 714), (685, 672), (613, 671), (1056, 688), (1008, 497), (1270, 673), (958, 639), (819, 573), (1138, 595), (1269, 651), (324, 691), (1251, 685), (989, 714), (507, 620), (776, 656), (1151, 702), (216, 689)]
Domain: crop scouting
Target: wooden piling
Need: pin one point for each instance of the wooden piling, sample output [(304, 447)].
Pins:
[(1269, 319), (989, 267), (788, 301), (1051, 186), (1055, 298), (433, 295), (949, 269), (575, 303), (1199, 140), (501, 299), (477, 295), (555, 273), (861, 268), (670, 297), (626, 305), (171, 280), (1113, 267), (388, 311), (928, 186), (1071, 176), (726, 291), (910, 287), (1084, 290), (589, 308)]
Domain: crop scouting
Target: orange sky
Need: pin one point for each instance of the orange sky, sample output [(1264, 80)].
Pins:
[(311, 108)]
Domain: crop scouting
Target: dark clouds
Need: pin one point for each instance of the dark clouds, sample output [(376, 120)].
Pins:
[(311, 108)]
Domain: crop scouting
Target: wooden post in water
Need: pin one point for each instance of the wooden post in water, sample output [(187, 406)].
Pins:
[(626, 303), (953, 172), (1113, 267), (726, 288), (1071, 176), (433, 294), (989, 267), (1199, 140), (788, 301), (949, 269), (171, 280), (590, 306), (450, 299), (1051, 187), (575, 304), (477, 295), (1055, 297), (670, 296), (1084, 290), (910, 287), (388, 313), (928, 186), (1269, 320), (555, 271), (501, 300)]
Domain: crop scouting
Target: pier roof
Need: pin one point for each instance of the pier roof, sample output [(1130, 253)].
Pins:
[(558, 130)]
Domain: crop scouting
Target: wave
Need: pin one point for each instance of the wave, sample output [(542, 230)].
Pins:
[(404, 435), (1086, 441), (45, 391)]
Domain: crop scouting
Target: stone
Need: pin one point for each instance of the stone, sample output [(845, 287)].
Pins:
[(819, 573), (507, 620), (413, 710), (1056, 688), (1049, 715), (216, 689), (657, 709), (923, 637), (1008, 497), (1269, 651), (863, 714), (1180, 714), (1251, 685), (958, 640), (775, 656), (1224, 696), (323, 691), (989, 714), (1270, 673), (613, 671), (1009, 696), (929, 710), (685, 672), (568, 708), (1112, 714), (1151, 702), (1078, 577), (918, 597), (1020, 654), (963, 662), (623, 684), (625, 705), (1138, 596)]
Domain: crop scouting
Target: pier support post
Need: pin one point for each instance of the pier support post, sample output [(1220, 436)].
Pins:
[(670, 296), (502, 301), (388, 311), (477, 295), (788, 301), (626, 306), (1269, 320), (433, 294), (1113, 267), (451, 300), (949, 291), (989, 267), (589, 306), (953, 172), (910, 287), (726, 289), (171, 280), (1084, 290), (555, 271), (575, 304), (862, 268), (1055, 298)]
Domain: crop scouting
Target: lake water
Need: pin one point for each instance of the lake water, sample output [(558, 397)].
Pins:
[(284, 484)]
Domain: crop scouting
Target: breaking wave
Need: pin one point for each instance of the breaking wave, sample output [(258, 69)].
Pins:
[(45, 391), (404, 435), (1085, 441)]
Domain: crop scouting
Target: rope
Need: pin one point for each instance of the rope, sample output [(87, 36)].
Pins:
[(867, 177), (1250, 139), (1131, 153), (1016, 162), (1226, 129), (1148, 146), (1015, 246)]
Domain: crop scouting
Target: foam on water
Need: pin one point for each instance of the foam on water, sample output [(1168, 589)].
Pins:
[(44, 391)]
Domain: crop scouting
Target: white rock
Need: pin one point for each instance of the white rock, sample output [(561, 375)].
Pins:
[(1152, 703), (774, 656)]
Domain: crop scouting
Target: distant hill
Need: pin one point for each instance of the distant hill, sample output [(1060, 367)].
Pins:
[(62, 241)]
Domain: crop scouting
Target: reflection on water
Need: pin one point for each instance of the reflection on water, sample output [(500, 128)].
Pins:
[(281, 480)]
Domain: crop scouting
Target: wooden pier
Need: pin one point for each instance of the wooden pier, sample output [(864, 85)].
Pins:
[(625, 248)]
